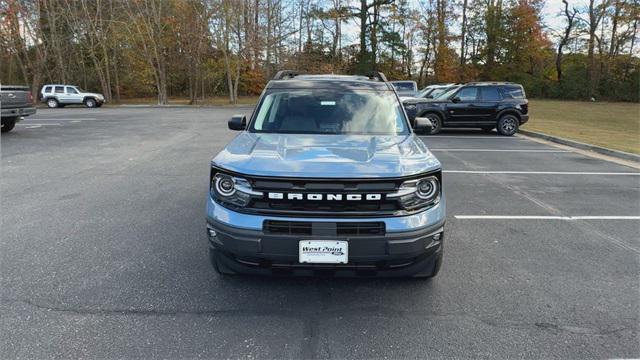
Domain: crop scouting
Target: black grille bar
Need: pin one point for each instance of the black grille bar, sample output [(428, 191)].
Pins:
[(276, 227)]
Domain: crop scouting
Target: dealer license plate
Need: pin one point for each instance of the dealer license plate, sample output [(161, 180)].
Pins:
[(324, 252)]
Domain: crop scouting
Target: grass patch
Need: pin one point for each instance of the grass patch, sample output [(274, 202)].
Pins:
[(215, 100), (610, 125)]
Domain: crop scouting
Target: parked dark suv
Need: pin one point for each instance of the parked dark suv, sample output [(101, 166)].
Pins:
[(486, 105)]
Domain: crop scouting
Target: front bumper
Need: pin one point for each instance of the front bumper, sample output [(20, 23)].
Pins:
[(18, 112), (524, 118), (410, 244)]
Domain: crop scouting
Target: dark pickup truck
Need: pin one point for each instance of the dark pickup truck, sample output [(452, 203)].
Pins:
[(15, 103)]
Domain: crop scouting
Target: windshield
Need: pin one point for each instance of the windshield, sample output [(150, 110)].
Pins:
[(405, 86), (329, 112), (424, 92), (448, 93), (436, 92)]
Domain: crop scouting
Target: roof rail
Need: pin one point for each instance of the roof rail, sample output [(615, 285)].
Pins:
[(490, 83), (285, 74), (377, 75)]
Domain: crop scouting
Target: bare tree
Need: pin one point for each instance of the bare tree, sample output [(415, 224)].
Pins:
[(565, 38), (147, 23)]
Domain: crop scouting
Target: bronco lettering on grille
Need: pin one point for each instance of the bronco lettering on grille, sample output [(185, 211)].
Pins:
[(327, 197)]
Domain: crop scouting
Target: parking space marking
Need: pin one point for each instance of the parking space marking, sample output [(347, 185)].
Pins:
[(29, 125), (62, 119), (543, 217), (541, 172), (504, 150)]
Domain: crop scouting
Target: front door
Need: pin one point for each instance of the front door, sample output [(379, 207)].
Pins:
[(463, 110)]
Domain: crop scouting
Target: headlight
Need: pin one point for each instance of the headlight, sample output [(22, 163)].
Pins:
[(232, 190), (419, 193)]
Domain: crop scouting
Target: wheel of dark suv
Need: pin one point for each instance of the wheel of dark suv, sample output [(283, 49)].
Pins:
[(52, 103), (8, 124), (508, 125), (435, 121), (90, 103)]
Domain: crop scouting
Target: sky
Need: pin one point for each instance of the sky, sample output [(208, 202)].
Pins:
[(552, 10)]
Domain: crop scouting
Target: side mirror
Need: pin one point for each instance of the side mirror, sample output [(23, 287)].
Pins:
[(456, 100), (238, 122), (422, 124)]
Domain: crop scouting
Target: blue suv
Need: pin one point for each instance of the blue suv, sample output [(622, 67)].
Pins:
[(326, 178)]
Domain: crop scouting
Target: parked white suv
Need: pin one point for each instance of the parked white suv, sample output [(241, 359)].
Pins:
[(56, 95)]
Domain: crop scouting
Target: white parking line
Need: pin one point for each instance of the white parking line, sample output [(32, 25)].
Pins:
[(504, 150), (541, 172), (38, 125), (543, 217), (61, 119)]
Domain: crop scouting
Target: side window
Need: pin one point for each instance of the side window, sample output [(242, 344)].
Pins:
[(468, 94), (47, 89), (59, 89), (490, 93), (513, 92), (71, 90)]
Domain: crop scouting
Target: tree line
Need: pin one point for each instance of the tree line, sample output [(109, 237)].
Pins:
[(202, 48)]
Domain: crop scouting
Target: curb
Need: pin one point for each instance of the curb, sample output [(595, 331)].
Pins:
[(576, 144)]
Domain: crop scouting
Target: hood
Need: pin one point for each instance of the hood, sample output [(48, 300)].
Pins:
[(326, 156)]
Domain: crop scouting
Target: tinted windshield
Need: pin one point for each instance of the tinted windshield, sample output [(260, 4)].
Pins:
[(436, 92), (448, 93), (328, 112), (405, 86), (424, 92)]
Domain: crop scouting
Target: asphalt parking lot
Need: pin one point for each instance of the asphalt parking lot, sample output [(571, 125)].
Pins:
[(104, 253)]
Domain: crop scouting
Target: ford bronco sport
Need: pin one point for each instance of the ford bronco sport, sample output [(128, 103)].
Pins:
[(486, 105), (326, 177)]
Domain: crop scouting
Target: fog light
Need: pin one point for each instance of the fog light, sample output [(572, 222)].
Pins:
[(437, 236), (212, 233)]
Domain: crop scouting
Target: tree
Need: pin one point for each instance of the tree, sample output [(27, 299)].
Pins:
[(565, 38)]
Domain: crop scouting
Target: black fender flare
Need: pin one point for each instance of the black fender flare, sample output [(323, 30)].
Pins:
[(440, 113), (509, 111)]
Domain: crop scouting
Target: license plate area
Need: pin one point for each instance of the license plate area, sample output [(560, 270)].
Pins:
[(323, 252)]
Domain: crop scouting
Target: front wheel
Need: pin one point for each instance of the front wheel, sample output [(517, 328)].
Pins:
[(52, 103), (90, 103), (8, 124), (508, 125), (436, 123)]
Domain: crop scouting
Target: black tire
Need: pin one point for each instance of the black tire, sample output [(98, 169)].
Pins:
[(508, 125), (52, 103), (436, 121), (90, 102), (8, 124)]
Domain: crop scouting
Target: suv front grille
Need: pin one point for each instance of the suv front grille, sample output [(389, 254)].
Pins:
[(276, 227), (325, 206)]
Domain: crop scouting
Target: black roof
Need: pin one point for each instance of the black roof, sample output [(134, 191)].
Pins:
[(330, 81), (485, 83)]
